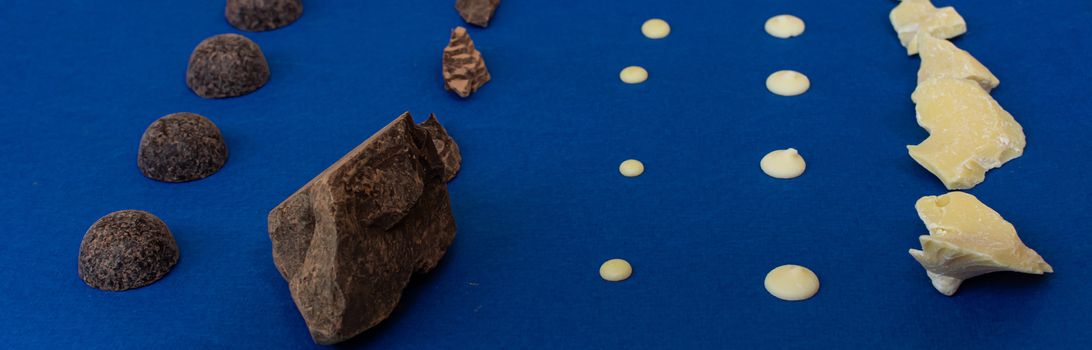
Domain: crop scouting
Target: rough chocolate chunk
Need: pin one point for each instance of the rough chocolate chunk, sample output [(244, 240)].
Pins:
[(349, 240), (463, 66), (181, 147), (262, 15), (477, 12), (445, 146), (226, 65), (126, 249)]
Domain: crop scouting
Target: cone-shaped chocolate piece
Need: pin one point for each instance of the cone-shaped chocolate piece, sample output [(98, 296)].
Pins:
[(463, 66), (181, 147), (262, 15), (226, 65), (126, 249)]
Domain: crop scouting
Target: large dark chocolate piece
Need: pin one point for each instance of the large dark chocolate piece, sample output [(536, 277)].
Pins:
[(349, 240), (463, 66), (477, 12), (126, 249), (181, 147), (226, 65), (262, 15)]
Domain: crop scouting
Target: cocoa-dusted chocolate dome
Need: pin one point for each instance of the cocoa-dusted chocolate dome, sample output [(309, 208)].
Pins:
[(262, 15), (181, 147), (126, 249), (226, 65)]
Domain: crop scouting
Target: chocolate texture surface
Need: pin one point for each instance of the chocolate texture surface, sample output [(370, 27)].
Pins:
[(126, 249)]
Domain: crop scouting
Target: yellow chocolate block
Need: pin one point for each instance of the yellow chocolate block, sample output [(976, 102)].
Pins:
[(969, 133), (966, 239), (913, 16), (942, 59)]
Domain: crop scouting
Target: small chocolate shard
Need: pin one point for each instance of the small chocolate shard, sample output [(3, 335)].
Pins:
[(477, 12), (463, 66), (349, 240), (181, 147), (262, 15), (445, 146), (226, 65), (126, 249)]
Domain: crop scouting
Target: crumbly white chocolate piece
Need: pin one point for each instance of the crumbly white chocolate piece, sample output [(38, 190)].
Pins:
[(792, 282), (784, 26), (942, 59), (631, 168), (913, 16), (783, 164), (969, 133), (787, 83), (655, 28), (966, 239), (633, 75), (615, 270)]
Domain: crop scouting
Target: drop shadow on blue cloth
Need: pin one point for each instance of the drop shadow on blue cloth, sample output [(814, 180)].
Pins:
[(1006, 281)]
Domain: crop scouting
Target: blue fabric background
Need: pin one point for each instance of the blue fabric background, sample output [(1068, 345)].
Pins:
[(539, 202)]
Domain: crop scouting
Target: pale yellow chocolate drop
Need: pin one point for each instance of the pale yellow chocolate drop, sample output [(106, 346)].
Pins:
[(792, 282), (783, 164), (655, 28), (787, 83), (615, 270), (785, 26), (633, 75), (631, 168)]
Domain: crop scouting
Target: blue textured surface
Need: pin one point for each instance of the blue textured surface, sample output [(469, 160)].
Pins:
[(539, 202)]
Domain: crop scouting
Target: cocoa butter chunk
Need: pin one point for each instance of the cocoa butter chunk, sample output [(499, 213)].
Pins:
[(226, 65), (181, 147), (349, 240), (262, 15), (463, 66), (126, 249), (477, 12)]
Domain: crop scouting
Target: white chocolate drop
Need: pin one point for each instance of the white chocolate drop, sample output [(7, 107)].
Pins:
[(787, 83), (783, 164), (631, 168), (785, 26), (615, 270), (633, 75), (655, 28), (792, 282)]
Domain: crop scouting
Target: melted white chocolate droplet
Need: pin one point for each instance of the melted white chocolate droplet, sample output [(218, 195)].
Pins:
[(787, 83), (615, 270), (655, 28), (783, 164), (785, 26), (792, 282), (631, 168), (633, 75)]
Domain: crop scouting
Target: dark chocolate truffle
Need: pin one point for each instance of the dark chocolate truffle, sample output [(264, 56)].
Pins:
[(477, 12), (181, 147), (226, 65), (262, 15), (126, 249)]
